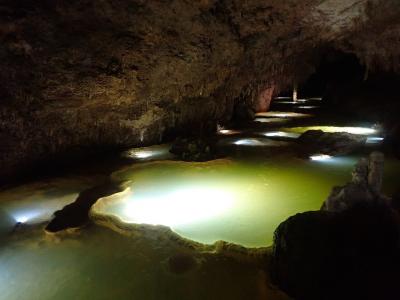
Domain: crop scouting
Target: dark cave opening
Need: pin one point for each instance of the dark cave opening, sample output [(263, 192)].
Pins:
[(335, 68)]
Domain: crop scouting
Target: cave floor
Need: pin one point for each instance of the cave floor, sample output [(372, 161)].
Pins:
[(97, 262)]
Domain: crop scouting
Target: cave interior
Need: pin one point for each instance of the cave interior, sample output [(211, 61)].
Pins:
[(211, 149)]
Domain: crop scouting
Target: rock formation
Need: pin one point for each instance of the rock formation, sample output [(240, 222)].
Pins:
[(350, 249), (365, 187), (79, 76), (194, 149), (330, 143), (76, 214), (349, 255)]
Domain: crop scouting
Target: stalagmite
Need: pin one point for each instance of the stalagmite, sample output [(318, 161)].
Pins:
[(364, 188), (295, 92), (376, 167)]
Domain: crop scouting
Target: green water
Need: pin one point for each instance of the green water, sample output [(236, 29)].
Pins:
[(241, 199), (237, 201)]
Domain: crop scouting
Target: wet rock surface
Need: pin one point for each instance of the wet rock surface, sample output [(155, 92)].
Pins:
[(350, 249), (354, 254), (195, 149), (365, 187), (330, 143), (80, 76), (76, 214), (181, 263)]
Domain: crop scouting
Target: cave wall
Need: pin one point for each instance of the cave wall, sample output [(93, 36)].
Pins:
[(81, 74)]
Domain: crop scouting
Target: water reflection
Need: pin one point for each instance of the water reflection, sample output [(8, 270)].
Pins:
[(157, 152), (252, 142), (280, 114), (282, 134), (352, 130), (271, 120)]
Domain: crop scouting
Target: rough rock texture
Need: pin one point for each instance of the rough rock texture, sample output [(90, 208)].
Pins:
[(365, 187), (349, 255), (338, 252), (194, 149), (330, 143), (76, 214), (79, 75)]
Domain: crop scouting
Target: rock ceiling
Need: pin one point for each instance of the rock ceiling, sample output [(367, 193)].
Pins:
[(84, 74)]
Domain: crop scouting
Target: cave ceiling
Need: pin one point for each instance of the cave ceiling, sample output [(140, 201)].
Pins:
[(83, 74)]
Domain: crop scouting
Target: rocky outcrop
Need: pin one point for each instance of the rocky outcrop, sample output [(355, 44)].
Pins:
[(329, 143), (349, 255), (195, 149), (337, 252), (80, 76), (365, 187), (76, 214)]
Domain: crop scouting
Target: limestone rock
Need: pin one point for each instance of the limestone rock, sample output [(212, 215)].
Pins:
[(375, 175), (127, 73), (353, 254), (365, 187), (76, 214), (320, 142), (194, 149)]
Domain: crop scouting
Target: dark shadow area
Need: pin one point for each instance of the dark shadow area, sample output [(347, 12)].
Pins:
[(76, 214), (349, 255)]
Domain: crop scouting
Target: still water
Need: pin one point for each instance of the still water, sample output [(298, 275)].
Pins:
[(241, 199)]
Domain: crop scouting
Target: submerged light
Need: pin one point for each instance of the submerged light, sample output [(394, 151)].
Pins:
[(155, 152), (285, 102), (282, 134), (320, 157), (181, 206), (259, 142), (248, 142), (228, 132), (143, 154), (283, 98), (375, 140), (21, 219), (308, 107), (352, 130), (271, 120), (279, 114)]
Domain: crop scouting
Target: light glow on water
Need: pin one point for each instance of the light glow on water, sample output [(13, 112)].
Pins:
[(308, 107), (282, 134), (283, 98), (352, 130), (285, 102), (320, 157), (375, 140), (228, 132), (29, 216), (148, 153), (181, 206), (21, 219), (226, 200), (271, 120), (249, 142), (254, 142), (279, 114)]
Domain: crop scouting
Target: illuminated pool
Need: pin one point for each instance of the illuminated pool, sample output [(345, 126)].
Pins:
[(348, 129), (156, 152), (271, 120), (280, 114), (241, 199), (240, 202)]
